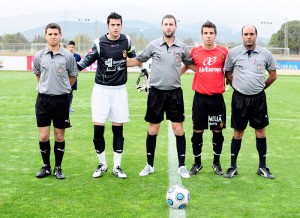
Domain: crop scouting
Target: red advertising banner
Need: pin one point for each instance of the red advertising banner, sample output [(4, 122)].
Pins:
[(30, 63)]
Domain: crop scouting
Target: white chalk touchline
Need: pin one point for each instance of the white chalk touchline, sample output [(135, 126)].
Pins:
[(174, 177)]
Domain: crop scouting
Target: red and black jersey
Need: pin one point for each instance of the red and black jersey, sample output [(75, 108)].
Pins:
[(209, 75)]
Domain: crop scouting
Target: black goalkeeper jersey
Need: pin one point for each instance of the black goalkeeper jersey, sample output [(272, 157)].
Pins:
[(111, 58)]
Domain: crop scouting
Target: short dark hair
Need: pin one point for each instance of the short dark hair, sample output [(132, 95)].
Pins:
[(53, 26), (169, 16), (115, 16), (209, 24), (252, 26), (71, 43)]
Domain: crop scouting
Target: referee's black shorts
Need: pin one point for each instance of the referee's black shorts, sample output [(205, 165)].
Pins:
[(52, 108), (160, 101), (252, 108)]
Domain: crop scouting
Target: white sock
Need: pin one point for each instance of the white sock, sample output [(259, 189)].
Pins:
[(102, 158), (117, 159)]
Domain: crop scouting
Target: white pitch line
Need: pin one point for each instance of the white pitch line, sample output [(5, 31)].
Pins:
[(174, 178)]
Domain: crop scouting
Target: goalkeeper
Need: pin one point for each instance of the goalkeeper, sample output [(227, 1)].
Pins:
[(109, 96), (165, 93)]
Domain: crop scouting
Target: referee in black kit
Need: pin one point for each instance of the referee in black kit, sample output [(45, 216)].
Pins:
[(56, 71)]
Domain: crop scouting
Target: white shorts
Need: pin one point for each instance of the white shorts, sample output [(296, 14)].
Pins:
[(110, 103)]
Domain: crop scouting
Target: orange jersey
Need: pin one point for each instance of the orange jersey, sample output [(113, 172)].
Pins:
[(209, 75)]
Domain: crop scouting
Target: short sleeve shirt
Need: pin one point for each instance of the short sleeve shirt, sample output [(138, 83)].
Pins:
[(209, 75), (166, 63), (54, 71), (249, 70)]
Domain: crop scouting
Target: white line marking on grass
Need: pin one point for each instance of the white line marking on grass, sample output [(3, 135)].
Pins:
[(174, 178)]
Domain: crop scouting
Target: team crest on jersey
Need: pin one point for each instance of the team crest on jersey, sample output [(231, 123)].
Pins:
[(259, 67), (61, 70), (223, 57), (124, 53), (178, 59)]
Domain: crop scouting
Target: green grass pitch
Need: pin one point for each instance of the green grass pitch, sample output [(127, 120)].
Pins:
[(80, 195)]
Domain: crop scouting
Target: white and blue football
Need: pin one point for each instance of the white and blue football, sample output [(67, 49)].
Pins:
[(178, 197)]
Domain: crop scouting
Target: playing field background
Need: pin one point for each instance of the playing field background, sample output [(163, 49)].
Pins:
[(80, 195)]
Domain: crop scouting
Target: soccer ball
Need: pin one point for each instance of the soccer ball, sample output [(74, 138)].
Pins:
[(178, 197)]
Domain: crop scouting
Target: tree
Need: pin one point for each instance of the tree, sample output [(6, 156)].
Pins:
[(138, 42), (230, 45), (39, 39), (14, 38), (83, 42), (188, 41), (277, 39)]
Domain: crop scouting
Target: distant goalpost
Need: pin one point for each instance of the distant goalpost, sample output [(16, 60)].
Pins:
[(37, 46), (279, 51)]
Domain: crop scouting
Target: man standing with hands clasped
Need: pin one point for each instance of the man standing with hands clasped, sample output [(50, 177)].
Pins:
[(245, 69), (56, 71)]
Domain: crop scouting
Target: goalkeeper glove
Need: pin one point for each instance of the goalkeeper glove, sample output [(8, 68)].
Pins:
[(144, 84)]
